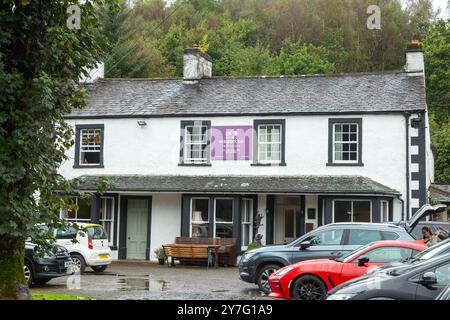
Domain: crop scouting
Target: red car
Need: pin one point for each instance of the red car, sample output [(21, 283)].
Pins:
[(311, 279)]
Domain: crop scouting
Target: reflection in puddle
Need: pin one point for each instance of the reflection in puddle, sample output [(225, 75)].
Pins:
[(141, 283), (254, 293)]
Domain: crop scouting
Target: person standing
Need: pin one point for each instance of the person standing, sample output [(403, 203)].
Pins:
[(429, 237)]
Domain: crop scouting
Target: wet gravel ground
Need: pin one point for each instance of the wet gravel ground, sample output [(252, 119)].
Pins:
[(150, 281)]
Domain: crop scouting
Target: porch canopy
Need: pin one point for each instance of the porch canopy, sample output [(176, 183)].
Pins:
[(306, 184)]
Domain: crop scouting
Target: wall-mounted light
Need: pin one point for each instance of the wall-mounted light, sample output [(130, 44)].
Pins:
[(142, 123)]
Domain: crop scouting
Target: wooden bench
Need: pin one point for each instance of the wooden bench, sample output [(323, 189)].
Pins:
[(227, 250), (188, 252)]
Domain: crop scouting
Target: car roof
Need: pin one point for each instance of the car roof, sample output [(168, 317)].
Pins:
[(399, 243), (368, 225)]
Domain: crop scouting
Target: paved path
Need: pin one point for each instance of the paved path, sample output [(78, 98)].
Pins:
[(143, 280)]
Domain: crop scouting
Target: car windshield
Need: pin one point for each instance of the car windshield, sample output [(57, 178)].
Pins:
[(432, 251), (354, 252), (96, 232), (414, 266)]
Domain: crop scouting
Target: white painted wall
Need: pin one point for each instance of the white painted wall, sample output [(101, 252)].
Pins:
[(154, 149), (166, 220)]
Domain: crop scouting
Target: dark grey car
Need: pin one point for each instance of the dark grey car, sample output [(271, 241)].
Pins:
[(421, 281), (329, 241), (433, 251)]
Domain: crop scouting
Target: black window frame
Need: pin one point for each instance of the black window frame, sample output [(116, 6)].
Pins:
[(78, 129), (256, 124), (331, 123), (183, 125)]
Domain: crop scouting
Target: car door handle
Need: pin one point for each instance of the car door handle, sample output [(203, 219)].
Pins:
[(336, 253)]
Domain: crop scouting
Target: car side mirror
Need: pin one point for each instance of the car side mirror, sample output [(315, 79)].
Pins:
[(362, 261), (305, 245), (428, 278)]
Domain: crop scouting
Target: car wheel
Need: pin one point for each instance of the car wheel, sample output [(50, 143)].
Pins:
[(308, 288), (28, 272), (99, 268), (263, 277), (78, 263)]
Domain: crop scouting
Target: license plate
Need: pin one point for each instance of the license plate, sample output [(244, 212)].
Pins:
[(103, 256)]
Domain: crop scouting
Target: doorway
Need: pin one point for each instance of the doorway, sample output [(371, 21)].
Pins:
[(136, 227), (287, 210)]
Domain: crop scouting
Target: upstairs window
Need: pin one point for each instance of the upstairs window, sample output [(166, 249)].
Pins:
[(269, 142), (89, 146), (269, 139), (344, 142), (195, 146)]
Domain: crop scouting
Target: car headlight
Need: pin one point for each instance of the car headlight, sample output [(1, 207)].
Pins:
[(49, 255), (283, 271), (247, 256), (341, 296)]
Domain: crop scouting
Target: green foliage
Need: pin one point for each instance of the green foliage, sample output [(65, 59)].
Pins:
[(37, 295), (41, 60), (437, 71), (328, 36), (254, 245), (159, 252), (297, 58)]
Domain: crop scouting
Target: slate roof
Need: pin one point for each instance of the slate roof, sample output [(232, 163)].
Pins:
[(238, 184), (348, 93), (440, 192)]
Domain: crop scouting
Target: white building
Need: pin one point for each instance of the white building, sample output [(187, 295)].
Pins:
[(202, 156)]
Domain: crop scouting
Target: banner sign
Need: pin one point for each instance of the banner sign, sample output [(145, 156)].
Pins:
[(231, 142)]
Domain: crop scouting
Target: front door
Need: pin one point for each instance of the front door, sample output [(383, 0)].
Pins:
[(137, 215), (286, 224)]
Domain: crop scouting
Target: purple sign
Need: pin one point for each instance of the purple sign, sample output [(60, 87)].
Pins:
[(231, 142)]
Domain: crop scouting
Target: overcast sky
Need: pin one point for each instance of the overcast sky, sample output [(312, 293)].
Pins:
[(442, 4)]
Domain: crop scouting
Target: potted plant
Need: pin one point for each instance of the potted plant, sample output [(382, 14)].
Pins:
[(159, 252)]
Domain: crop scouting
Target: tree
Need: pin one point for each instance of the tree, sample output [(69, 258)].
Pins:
[(437, 73), (41, 60), (298, 58)]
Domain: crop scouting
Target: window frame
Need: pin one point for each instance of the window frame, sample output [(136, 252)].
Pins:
[(352, 200), (184, 124), (250, 223), (65, 215), (382, 213), (198, 222), (215, 213), (111, 221), (256, 142), (331, 141), (78, 145)]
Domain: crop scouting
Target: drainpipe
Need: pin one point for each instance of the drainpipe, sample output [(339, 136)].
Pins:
[(403, 207), (406, 211)]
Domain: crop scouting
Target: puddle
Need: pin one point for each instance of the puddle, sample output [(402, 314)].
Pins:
[(140, 283), (220, 290), (254, 293)]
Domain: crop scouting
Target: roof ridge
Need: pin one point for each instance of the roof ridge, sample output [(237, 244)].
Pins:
[(295, 76)]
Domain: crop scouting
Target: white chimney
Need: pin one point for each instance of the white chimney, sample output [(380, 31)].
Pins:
[(414, 59), (98, 72), (196, 65)]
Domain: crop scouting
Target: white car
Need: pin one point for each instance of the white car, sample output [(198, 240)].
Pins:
[(90, 248)]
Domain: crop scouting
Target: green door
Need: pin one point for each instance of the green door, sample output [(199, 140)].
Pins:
[(137, 215)]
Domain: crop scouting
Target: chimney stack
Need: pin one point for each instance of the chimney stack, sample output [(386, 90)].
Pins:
[(414, 59), (196, 65)]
